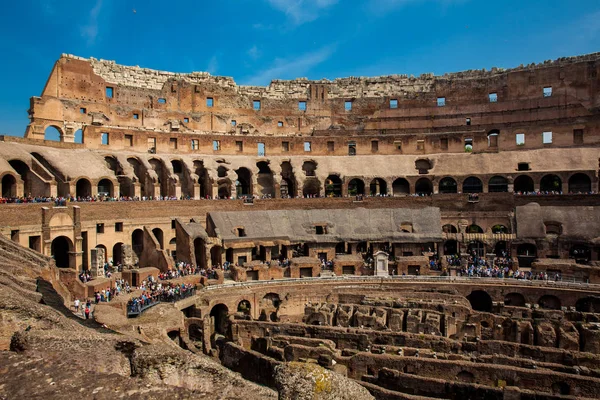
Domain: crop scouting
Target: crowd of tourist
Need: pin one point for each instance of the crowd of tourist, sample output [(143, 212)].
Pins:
[(184, 269), (155, 291)]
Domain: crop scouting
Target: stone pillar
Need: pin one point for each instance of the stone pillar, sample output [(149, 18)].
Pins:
[(156, 190), (116, 189), (128, 257), (97, 262), (214, 191), (196, 191), (267, 253), (344, 188), (95, 189), (53, 189), (178, 190), (137, 190), (68, 135)]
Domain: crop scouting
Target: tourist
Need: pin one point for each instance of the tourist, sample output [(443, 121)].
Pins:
[(76, 305)]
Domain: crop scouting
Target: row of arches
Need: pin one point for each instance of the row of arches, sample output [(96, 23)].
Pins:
[(480, 300)]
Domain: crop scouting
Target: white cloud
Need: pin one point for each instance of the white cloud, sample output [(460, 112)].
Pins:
[(292, 68), (253, 53), (301, 11), (213, 65), (90, 30), (384, 6)]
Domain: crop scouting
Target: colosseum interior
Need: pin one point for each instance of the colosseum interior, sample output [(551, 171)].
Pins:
[(397, 237)]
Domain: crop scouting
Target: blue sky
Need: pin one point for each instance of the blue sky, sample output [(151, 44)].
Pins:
[(255, 41)]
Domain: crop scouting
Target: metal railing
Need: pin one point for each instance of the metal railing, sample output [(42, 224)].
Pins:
[(134, 310)]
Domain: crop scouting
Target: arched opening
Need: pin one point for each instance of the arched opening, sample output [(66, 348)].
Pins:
[(287, 177), (499, 228), (480, 301), (140, 176), (588, 304), (199, 253), (549, 302), (400, 187), (229, 255), (526, 253), (78, 136), (498, 184), (195, 333), (423, 166), (9, 186), (450, 247), (340, 248), (59, 250), (493, 138), (266, 185), (580, 183), (561, 388), (220, 316), (474, 229), (158, 234), (117, 253), (23, 171), (222, 172), (465, 376), (501, 249), (312, 187), (476, 248), (105, 188), (53, 133), (244, 307), (551, 183), (333, 186), (172, 250), (514, 300), (163, 179), (448, 185), (137, 242), (423, 187), (83, 188), (309, 168), (355, 187), (203, 178), (378, 187), (224, 189), (580, 253), (105, 251), (472, 185), (243, 184), (177, 166), (449, 228), (523, 184), (215, 255)]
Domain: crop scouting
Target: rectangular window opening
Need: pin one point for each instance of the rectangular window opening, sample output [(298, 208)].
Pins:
[(374, 146), (104, 138), (351, 148), (173, 143), (348, 105), (136, 116), (546, 137), (256, 105), (99, 228), (129, 140), (162, 101), (520, 138), (547, 91), (195, 144), (285, 146), (302, 105), (186, 120), (468, 145), (444, 143), (110, 92), (306, 146), (173, 223), (152, 145), (82, 110), (321, 230), (280, 124), (261, 149), (210, 102), (394, 103), (233, 122), (118, 227), (578, 136), (493, 97), (441, 101), (523, 166), (398, 145), (239, 145), (420, 145), (330, 146), (216, 145)]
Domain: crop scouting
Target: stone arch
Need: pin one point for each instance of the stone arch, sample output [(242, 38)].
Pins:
[(24, 172), (309, 167), (160, 237), (333, 186), (9, 186), (480, 301), (83, 188), (220, 315), (78, 136), (158, 166), (473, 228), (580, 183), (53, 133), (378, 187), (243, 183), (523, 184), (580, 253), (103, 247), (117, 253), (589, 304), (448, 185), (199, 252), (244, 307), (424, 186), (265, 181), (139, 171), (356, 186), (449, 228), (500, 248), (526, 254), (515, 300), (549, 302), (137, 242), (465, 376), (312, 187), (400, 187), (551, 183), (288, 180), (499, 228), (203, 178), (195, 333), (561, 388), (498, 184), (477, 247), (472, 185), (106, 188), (60, 250)]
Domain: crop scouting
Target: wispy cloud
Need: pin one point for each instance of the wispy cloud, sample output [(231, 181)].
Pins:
[(301, 11), (292, 68), (90, 30), (385, 6), (253, 52), (213, 65)]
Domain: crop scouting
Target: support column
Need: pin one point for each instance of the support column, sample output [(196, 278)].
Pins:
[(196, 191)]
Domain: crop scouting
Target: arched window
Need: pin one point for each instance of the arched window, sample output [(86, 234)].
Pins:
[(498, 184), (551, 183), (580, 183), (333, 186), (523, 184), (472, 185), (448, 185), (424, 186), (356, 186), (400, 187)]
